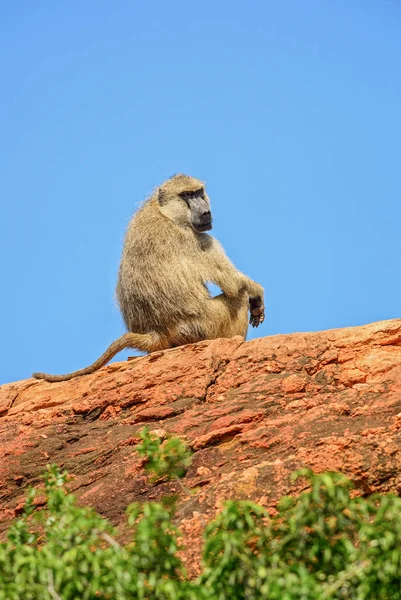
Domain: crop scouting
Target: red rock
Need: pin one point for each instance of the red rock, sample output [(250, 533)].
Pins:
[(253, 412), (217, 436), (203, 471), (152, 414), (293, 383)]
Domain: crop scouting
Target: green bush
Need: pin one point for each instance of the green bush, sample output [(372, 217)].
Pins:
[(323, 544)]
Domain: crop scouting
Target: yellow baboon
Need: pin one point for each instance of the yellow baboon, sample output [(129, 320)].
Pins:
[(166, 263)]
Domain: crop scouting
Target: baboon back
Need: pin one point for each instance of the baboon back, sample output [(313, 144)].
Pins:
[(159, 283)]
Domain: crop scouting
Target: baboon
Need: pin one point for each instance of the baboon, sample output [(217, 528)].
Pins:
[(166, 263)]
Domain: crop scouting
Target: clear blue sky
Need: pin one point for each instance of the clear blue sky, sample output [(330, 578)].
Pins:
[(290, 111)]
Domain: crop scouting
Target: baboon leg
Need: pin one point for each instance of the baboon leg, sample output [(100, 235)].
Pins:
[(223, 318), (147, 342), (229, 316)]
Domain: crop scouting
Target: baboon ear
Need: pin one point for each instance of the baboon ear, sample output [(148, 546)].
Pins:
[(162, 197)]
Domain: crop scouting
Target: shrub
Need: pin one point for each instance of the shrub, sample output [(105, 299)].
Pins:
[(323, 544)]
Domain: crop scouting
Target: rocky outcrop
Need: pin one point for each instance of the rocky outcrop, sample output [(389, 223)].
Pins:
[(253, 412)]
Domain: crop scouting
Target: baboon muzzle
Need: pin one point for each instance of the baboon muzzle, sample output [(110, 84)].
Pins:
[(203, 222)]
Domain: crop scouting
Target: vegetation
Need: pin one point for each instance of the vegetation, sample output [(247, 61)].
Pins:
[(323, 544)]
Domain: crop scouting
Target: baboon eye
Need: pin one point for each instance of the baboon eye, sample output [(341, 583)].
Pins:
[(192, 194)]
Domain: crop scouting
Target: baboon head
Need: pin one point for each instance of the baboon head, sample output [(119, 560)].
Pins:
[(183, 199)]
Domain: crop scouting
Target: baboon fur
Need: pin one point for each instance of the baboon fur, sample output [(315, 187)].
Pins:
[(166, 263)]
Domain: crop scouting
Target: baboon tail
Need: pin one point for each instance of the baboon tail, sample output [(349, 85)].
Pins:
[(147, 342)]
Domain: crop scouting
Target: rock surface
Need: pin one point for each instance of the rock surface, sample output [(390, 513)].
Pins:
[(253, 412)]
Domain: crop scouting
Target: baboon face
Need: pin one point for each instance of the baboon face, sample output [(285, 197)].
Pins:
[(198, 204), (184, 200)]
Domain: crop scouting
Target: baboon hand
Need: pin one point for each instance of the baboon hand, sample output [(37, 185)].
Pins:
[(257, 310)]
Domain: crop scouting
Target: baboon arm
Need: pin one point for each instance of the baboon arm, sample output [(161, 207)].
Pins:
[(232, 283), (228, 278)]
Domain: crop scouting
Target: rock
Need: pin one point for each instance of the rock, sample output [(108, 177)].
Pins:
[(253, 412)]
